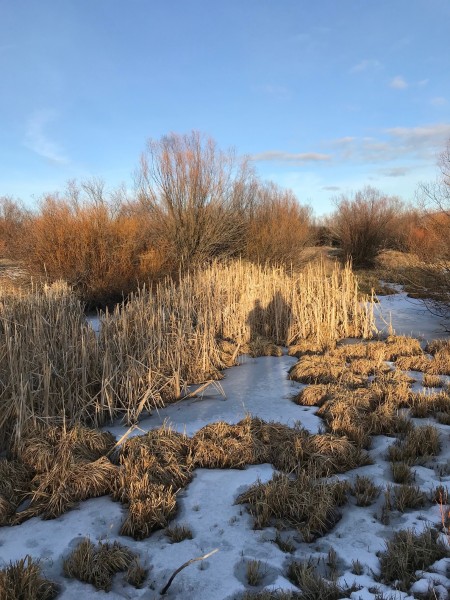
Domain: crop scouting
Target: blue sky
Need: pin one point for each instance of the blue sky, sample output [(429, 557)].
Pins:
[(324, 96)]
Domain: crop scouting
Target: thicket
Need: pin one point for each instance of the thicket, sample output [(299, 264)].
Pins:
[(367, 222), (192, 203)]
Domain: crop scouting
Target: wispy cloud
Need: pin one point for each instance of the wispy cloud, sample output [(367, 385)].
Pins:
[(38, 140), (290, 157), (395, 171), (331, 188), (392, 144), (368, 64), (439, 101), (399, 83), (423, 82)]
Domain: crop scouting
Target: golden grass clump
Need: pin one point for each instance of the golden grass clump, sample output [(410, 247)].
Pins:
[(66, 484), (313, 586), (307, 347), (329, 454), (365, 491), (438, 346), (408, 497), (23, 580), (417, 443), (69, 465), (41, 445), (415, 363), (426, 404), (431, 381), (97, 564), (151, 507), (323, 369), (260, 346), (306, 503), (313, 395), (223, 446), (163, 454), (408, 552)]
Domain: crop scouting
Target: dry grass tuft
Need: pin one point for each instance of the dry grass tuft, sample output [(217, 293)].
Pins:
[(254, 572), (409, 552), (330, 454), (418, 442), (151, 507), (163, 455), (57, 468), (23, 580), (415, 363), (306, 503), (178, 533), (269, 595), (67, 483), (365, 491), (224, 446), (15, 479), (408, 497), (136, 574), (307, 347), (401, 472), (426, 404), (324, 369), (97, 564), (432, 381), (313, 395), (438, 346), (260, 346), (313, 586)]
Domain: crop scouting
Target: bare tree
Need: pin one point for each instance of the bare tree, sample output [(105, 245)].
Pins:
[(197, 196), (279, 227), (367, 222)]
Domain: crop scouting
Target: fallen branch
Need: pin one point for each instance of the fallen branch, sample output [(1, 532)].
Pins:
[(183, 566)]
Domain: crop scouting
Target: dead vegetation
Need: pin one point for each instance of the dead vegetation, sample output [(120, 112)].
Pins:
[(97, 564), (418, 443), (23, 579), (365, 491), (184, 331), (313, 585), (306, 503), (408, 552)]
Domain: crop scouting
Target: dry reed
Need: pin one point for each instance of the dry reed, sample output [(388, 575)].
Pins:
[(54, 368)]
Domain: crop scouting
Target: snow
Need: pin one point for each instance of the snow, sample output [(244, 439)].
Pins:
[(259, 387), (409, 316)]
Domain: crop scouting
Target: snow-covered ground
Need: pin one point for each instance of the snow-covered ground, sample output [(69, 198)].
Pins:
[(409, 316), (259, 387)]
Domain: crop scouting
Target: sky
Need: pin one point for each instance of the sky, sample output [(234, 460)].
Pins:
[(325, 97)]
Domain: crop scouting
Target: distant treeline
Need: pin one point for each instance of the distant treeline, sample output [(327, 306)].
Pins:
[(193, 203)]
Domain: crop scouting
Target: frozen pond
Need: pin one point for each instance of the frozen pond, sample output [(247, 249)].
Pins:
[(410, 316), (258, 386)]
